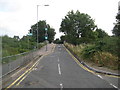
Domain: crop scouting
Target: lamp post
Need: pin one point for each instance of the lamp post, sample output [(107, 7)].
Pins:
[(37, 21)]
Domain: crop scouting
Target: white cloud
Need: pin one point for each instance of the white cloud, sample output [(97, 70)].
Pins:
[(17, 16)]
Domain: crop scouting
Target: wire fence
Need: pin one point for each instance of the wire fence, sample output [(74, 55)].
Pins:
[(11, 63)]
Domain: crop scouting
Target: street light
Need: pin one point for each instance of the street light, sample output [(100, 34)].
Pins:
[(37, 21)]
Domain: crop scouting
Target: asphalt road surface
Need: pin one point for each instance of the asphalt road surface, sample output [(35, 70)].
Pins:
[(59, 70)]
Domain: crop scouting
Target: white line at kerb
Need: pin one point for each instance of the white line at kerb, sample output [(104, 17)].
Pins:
[(59, 69)]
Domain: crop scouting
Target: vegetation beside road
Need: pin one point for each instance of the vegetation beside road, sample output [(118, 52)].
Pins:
[(89, 42), (88, 53), (15, 45)]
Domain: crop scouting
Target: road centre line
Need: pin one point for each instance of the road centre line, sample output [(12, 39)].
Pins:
[(59, 69), (61, 86), (58, 59)]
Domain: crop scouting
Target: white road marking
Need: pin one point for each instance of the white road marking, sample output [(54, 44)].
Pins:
[(58, 60), (59, 69), (61, 86), (114, 86), (100, 76)]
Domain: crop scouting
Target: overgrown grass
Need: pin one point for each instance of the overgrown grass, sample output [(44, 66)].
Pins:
[(91, 52), (13, 51)]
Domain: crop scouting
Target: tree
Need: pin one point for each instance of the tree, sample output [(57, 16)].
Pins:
[(41, 31), (77, 25), (57, 41), (101, 33), (116, 29), (62, 38), (116, 32), (16, 37)]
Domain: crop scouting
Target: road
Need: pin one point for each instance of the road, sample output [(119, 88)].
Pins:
[(59, 70)]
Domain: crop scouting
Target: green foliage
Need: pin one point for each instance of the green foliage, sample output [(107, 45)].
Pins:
[(62, 38), (116, 29), (41, 32), (99, 47), (9, 46), (101, 33), (41, 45), (57, 41), (89, 51), (116, 32), (110, 45), (80, 28), (15, 45), (107, 44), (93, 53)]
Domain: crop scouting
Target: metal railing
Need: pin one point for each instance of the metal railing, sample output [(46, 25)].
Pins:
[(11, 63)]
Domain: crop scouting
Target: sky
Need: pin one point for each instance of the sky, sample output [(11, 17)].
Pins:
[(17, 16)]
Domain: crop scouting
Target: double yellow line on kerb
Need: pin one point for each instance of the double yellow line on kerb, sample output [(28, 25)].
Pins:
[(85, 68), (26, 73)]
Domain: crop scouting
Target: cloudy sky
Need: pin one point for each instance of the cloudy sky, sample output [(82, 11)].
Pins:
[(17, 16)]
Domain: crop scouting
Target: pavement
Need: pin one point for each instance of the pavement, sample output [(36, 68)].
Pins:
[(59, 69)]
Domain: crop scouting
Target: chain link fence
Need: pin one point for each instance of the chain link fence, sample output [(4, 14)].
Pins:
[(11, 63)]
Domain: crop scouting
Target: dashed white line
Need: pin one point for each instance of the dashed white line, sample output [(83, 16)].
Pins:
[(58, 60), (61, 86), (59, 69), (114, 86), (100, 76)]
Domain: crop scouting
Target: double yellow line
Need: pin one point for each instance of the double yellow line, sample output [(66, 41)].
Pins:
[(85, 68), (23, 76), (26, 73)]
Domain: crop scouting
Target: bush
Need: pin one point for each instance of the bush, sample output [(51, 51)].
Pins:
[(106, 59), (88, 51), (41, 45), (94, 53)]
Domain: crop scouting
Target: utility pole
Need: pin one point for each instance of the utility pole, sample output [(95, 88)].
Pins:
[(37, 26), (37, 21)]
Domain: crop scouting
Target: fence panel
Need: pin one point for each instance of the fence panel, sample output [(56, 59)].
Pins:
[(10, 63)]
